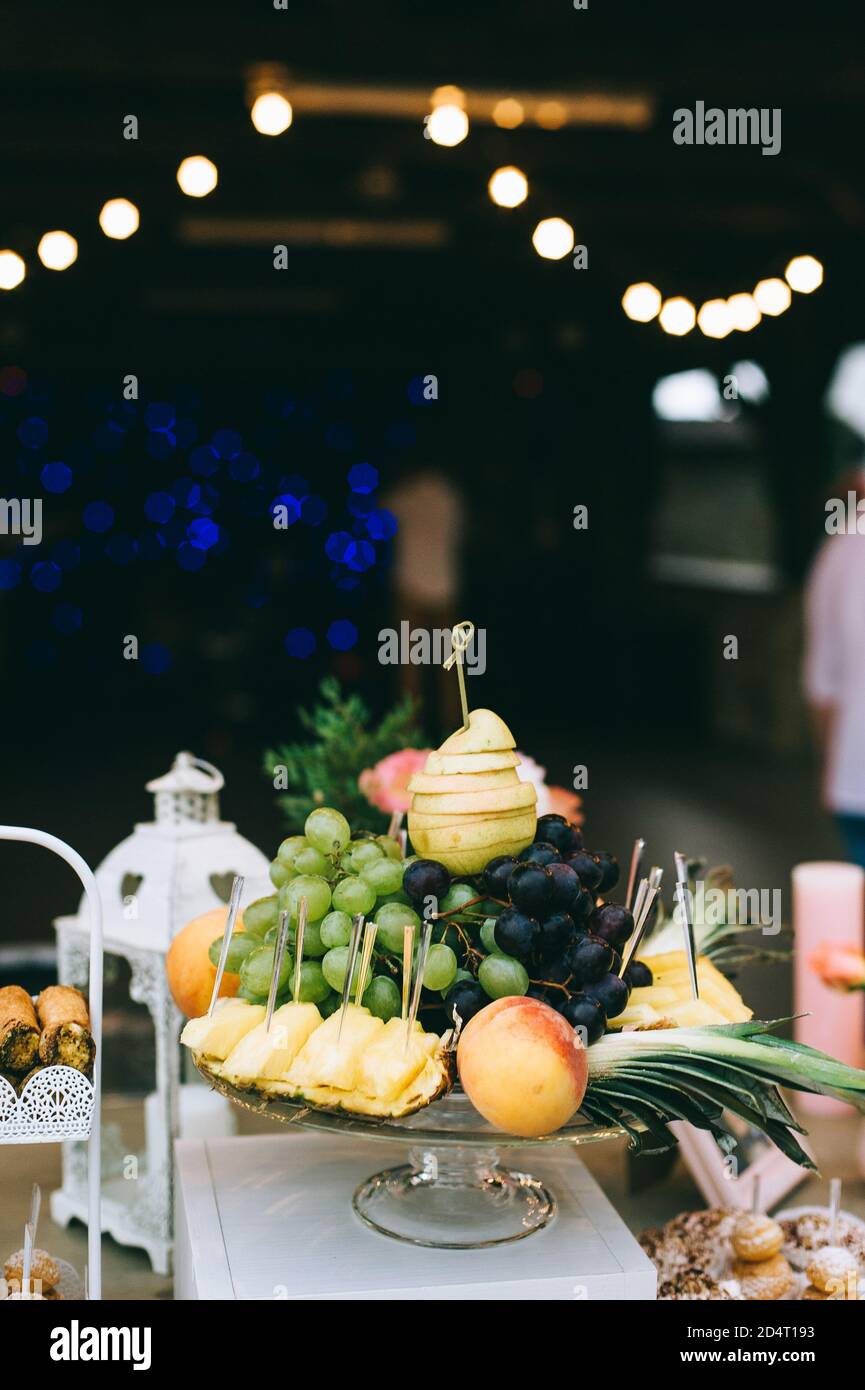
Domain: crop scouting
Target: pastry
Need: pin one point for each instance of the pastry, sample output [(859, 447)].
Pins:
[(19, 1030), (694, 1285), (66, 1039), (757, 1237), (833, 1270), (765, 1281), (815, 1295), (44, 1269)]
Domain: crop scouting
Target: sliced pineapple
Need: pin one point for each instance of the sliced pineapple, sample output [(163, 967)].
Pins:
[(669, 996), (387, 1067), (265, 1054), (324, 1061), (214, 1037)]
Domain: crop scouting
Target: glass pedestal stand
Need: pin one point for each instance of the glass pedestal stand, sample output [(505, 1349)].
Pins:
[(454, 1199), (454, 1193)]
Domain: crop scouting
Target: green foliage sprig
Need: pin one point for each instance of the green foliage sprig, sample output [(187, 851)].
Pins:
[(343, 742)]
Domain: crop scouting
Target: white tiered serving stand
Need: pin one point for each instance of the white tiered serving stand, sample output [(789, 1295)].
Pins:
[(59, 1103)]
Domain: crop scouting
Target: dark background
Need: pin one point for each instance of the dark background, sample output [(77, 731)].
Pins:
[(544, 401)]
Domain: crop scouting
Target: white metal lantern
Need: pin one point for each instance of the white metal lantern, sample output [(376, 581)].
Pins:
[(169, 870)]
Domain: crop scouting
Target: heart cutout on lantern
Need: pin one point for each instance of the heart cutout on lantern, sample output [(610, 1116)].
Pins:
[(221, 885), (129, 885)]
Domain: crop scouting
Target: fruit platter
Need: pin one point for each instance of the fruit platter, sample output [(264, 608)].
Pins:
[(479, 984)]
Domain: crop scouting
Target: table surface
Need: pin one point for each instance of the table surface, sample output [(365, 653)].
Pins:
[(271, 1218)]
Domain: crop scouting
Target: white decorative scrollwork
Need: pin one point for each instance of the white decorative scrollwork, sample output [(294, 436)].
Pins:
[(57, 1103)]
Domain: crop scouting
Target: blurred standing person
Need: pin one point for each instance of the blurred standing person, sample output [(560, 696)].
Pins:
[(835, 676), (426, 575)]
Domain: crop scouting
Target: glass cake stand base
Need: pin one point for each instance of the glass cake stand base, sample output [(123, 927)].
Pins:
[(454, 1199)]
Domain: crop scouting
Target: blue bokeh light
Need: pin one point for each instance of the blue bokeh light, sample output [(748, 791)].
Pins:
[(67, 618), (33, 432), (56, 477), (313, 511), (363, 478), (155, 658), (359, 556), (244, 468), (160, 416), (291, 513), (10, 574), (336, 544), (342, 635), (189, 557), (381, 524), (160, 444), (46, 576), (203, 461), (203, 533), (98, 517), (300, 642), (159, 507), (226, 444), (186, 492)]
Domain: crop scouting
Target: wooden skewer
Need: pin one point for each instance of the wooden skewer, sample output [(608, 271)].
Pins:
[(233, 907), (27, 1265), (461, 636), (353, 946), (834, 1209), (369, 932), (395, 826)]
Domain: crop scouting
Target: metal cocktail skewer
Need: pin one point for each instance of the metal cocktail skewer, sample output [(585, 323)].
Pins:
[(634, 871), (684, 895), (423, 952), (27, 1263), (233, 907), (366, 956), (300, 933), (640, 900), (407, 953), (353, 945), (278, 957), (647, 902)]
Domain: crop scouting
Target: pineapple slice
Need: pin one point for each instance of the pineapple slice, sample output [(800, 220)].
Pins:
[(322, 1062), (695, 1013), (218, 1035), (669, 996), (386, 1067), (266, 1055)]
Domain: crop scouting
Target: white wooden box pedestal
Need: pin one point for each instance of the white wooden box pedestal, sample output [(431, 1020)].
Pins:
[(271, 1218)]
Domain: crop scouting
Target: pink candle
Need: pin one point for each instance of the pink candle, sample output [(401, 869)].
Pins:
[(828, 905)]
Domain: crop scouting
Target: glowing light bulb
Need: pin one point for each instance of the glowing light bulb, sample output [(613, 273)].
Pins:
[(677, 316), (553, 238), (119, 218), (271, 113), (508, 113), (714, 319), (12, 270), (772, 297), (508, 187), (744, 313), (447, 125), (804, 274), (197, 176), (641, 302), (57, 250)]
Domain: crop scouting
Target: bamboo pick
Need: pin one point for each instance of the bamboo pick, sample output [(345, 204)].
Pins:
[(354, 943), (233, 907), (395, 826), (27, 1264), (634, 871), (461, 636), (369, 932), (278, 957)]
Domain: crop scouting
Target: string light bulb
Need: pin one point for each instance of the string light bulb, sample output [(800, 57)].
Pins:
[(744, 313), (271, 113), (12, 270), (677, 316), (197, 176), (119, 218), (508, 187), (804, 274), (772, 297), (641, 302), (447, 125), (553, 238), (508, 113), (57, 250), (714, 319)]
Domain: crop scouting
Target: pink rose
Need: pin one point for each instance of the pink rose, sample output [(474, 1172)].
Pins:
[(386, 784), (839, 966)]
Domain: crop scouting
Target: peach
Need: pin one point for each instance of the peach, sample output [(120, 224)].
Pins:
[(189, 969), (522, 1066)]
